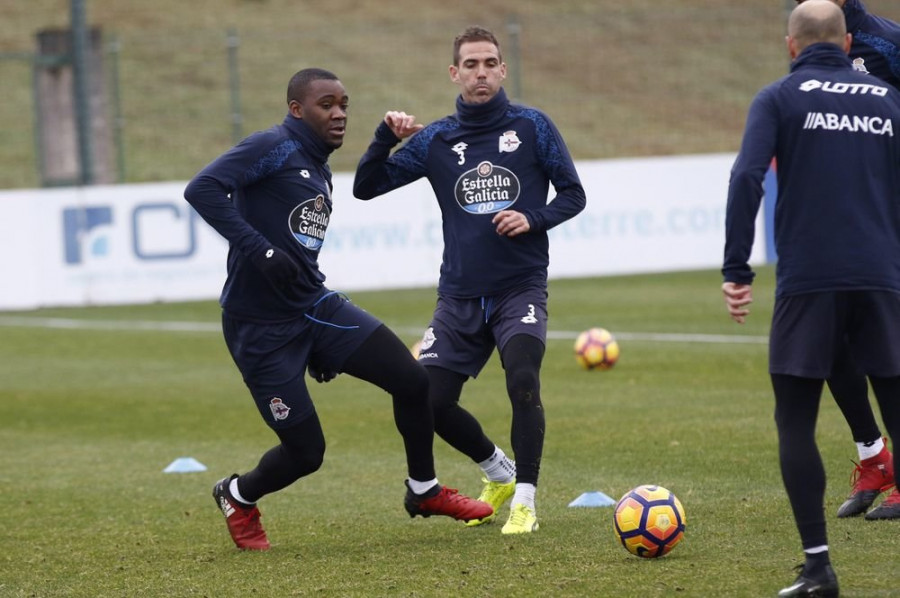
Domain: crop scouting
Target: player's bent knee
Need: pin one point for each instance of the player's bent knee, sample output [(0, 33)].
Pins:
[(410, 384), (524, 385), (306, 460)]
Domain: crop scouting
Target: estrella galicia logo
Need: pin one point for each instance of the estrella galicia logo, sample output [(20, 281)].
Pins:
[(309, 221), (80, 238), (486, 189)]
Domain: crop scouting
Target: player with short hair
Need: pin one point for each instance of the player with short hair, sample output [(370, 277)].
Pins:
[(270, 197), (490, 165), (837, 232), (875, 50)]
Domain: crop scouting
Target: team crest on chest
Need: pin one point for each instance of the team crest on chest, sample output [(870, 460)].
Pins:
[(486, 189), (509, 142), (309, 221)]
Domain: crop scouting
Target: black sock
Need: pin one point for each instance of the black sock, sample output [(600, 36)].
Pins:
[(816, 563)]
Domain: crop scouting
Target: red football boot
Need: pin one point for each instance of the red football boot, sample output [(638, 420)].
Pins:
[(441, 500), (869, 479), (888, 509), (243, 522)]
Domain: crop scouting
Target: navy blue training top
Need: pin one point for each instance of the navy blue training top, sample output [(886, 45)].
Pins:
[(483, 159), (272, 188), (876, 43), (834, 134)]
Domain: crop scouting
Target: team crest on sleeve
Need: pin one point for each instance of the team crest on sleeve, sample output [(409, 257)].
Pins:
[(509, 142), (309, 221), (486, 189), (280, 411), (859, 64)]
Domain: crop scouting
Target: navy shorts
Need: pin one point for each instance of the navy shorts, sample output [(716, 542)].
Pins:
[(807, 332), (463, 332), (273, 358)]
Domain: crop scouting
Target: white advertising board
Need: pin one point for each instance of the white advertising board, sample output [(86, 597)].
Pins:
[(143, 243)]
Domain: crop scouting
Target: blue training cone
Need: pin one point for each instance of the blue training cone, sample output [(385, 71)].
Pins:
[(184, 465), (593, 499)]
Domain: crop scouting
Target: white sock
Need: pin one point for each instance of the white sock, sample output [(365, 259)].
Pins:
[(233, 489), (524, 496), (421, 487), (867, 450), (498, 467), (816, 549)]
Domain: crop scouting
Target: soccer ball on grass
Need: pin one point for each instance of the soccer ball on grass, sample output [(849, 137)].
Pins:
[(596, 349), (649, 521)]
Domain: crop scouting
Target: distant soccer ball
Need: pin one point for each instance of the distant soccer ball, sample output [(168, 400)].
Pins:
[(649, 521), (596, 349)]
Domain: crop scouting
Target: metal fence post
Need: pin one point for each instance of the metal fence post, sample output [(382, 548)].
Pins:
[(514, 29), (81, 83), (233, 43), (118, 126)]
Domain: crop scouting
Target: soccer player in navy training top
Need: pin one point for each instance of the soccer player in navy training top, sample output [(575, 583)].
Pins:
[(490, 165), (270, 197), (834, 133), (875, 50)]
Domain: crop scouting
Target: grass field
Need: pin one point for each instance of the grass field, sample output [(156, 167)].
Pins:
[(96, 402), (618, 78)]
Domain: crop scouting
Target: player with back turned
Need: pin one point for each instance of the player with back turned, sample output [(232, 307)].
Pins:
[(834, 133), (270, 197)]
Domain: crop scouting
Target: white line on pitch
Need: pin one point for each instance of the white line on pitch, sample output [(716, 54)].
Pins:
[(174, 326), (122, 325), (649, 336)]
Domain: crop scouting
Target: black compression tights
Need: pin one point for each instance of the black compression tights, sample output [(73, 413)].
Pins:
[(851, 393), (887, 391), (300, 453), (521, 358), (796, 411), (387, 363)]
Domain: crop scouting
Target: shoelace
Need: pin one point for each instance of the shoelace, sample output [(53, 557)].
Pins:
[(857, 474), (252, 527), (519, 515), (451, 495)]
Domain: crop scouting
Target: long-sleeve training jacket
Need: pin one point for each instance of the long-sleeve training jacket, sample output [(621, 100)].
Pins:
[(483, 159), (876, 43), (271, 189), (835, 134)]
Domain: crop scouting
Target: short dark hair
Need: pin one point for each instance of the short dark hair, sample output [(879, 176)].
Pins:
[(474, 34), (299, 83)]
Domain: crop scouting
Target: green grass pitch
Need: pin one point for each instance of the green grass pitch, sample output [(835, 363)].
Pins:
[(96, 402)]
